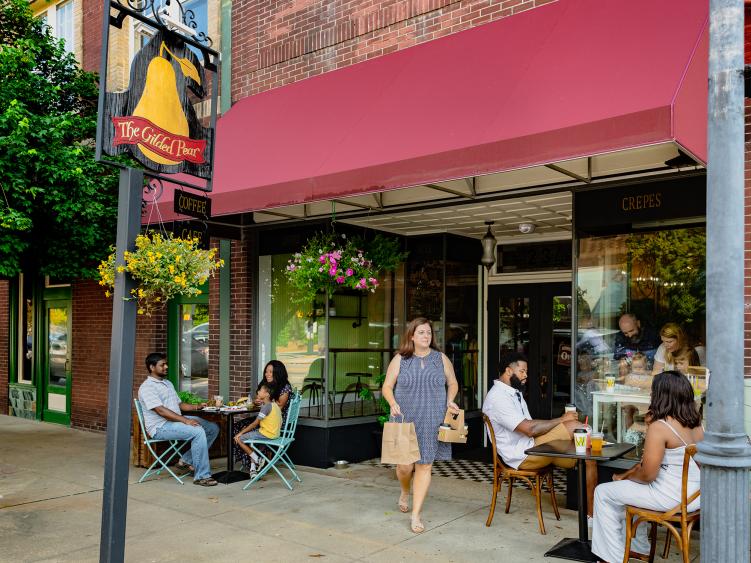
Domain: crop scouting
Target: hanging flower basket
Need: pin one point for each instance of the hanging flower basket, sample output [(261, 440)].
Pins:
[(330, 261), (163, 267)]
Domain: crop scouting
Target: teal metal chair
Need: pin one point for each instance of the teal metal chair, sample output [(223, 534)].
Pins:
[(279, 447), (163, 459)]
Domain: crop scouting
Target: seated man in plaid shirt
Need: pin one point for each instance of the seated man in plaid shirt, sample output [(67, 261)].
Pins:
[(162, 416)]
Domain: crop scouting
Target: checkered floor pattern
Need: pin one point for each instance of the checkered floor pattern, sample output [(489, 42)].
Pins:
[(478, 471)]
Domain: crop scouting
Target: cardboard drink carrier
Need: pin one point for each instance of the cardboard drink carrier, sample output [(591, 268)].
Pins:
[(453, 429)]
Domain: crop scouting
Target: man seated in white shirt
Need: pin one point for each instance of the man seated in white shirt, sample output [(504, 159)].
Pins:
[(516, 431)]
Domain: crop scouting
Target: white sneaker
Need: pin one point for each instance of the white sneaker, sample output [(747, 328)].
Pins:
[(590, 522)]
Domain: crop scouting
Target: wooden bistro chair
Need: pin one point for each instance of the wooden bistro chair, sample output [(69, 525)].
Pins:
[(533, 478), (678, 515)]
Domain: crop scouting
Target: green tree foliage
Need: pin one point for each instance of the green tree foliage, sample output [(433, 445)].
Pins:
[(58, 206), (669, 267)]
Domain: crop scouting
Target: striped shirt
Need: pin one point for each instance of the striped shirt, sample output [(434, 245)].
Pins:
[(155, 392)]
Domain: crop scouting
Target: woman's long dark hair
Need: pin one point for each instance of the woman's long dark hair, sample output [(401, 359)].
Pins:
[(279, 374), (407, 347), (672, 395)]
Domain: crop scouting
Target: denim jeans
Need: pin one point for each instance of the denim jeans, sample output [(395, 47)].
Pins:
[(200, 437)]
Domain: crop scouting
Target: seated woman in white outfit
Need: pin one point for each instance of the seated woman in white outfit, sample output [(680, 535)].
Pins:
[(655, 483)]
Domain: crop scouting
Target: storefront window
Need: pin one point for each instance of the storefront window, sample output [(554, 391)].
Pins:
[(25, 330), (194, 348), (360, 332), (461, 346), (630, 289)]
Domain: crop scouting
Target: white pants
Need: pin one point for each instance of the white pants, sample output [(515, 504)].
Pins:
[(609, 526)]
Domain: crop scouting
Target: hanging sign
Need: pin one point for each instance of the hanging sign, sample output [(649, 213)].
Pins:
[(154, 120), (192, 205)]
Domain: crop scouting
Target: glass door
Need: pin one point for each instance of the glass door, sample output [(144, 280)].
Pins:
[(534, 319), (56, 376)]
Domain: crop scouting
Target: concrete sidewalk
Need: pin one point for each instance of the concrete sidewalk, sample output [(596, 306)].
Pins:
[(51, 494)]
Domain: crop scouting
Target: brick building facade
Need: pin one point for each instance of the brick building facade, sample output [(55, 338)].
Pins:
[(273, 44)]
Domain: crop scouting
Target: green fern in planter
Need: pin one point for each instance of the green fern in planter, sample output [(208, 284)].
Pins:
[(366, 394)]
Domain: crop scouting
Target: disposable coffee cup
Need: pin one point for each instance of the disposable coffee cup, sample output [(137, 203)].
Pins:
[(570, 407), (218, 399), (610, 383), (580, 440)]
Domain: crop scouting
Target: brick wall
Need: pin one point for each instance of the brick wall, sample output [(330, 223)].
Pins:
[(91, 34), (241, 319), (4, 345), (276, 43), (92, 325)]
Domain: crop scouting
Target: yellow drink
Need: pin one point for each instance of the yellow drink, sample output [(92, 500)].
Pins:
[(597, 441)]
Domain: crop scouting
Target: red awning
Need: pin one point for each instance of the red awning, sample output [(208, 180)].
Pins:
[(570, 79)]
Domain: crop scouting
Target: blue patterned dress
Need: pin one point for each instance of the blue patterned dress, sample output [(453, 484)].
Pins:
[(421, 394)]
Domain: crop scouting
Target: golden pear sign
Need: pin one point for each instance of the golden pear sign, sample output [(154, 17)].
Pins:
[(155, 120)]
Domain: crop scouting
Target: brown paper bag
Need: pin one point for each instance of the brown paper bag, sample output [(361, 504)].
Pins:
[(457, 432), (399, 444)]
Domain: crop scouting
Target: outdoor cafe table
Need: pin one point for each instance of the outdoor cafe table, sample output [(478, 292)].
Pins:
[(578, 549), (228, 415)]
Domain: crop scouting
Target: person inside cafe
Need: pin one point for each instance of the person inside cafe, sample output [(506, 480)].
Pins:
[(655, 483), (674, 343), (164, 420), (266, 426), (633, 337), (516, 431)]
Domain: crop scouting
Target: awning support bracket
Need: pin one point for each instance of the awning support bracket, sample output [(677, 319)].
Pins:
[(449, 191), (574, 175)]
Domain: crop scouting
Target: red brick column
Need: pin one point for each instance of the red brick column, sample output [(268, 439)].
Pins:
[(92, 34), (241, 364), (92, 329), (4, 345)]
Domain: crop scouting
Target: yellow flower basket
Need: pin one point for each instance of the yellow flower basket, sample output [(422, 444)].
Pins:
[(163, 267)]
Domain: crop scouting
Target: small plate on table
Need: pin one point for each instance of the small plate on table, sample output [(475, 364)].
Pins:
[(210, 409)]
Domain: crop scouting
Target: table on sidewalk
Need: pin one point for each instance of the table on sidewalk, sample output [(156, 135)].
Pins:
[(228, 415), (578, 549)]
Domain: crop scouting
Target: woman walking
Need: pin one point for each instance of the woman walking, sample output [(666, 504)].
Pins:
[(415, 388)]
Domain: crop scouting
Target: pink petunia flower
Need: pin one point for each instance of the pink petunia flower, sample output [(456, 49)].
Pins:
[(350, 271)]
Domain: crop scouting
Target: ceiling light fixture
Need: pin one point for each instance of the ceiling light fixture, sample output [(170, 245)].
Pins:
[(488, 247), (527, 228)]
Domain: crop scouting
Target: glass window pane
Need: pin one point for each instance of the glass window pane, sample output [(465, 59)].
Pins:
[(561, 351), (630, 288), (64, 24), (461, 332), (57, 331), (513, 326), (194, 349), (25, 330)]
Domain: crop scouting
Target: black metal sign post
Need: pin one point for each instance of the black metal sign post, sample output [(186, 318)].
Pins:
[(164, 142), (122, 356)]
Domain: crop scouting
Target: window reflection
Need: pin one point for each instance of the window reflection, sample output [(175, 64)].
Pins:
[(194, 349), (641, 308)]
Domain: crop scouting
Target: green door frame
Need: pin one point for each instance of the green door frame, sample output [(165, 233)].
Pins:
[(44, 387)]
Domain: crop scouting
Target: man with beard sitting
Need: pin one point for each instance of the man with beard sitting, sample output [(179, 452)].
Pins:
[(516, 431)]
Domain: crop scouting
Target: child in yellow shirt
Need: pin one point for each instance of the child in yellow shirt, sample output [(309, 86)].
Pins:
[(267, 425)]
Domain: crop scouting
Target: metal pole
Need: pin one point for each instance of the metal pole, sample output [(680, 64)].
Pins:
[(122, 351), (725, 454)]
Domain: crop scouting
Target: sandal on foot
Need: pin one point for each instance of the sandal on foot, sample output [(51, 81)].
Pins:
[(185, 467), (208, 482), (417, 526), (403, 502)]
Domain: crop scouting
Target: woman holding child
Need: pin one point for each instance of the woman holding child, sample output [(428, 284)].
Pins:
[(275, 374), (416, 388), (655, 483)]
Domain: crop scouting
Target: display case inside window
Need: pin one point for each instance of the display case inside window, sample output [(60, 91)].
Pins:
[(641, 309), (194, 348)]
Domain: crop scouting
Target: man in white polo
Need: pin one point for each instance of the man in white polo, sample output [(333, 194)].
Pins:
[(516, 431), (163, 419)]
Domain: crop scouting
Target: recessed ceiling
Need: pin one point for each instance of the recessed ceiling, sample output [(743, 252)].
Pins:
[(462, 206)]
